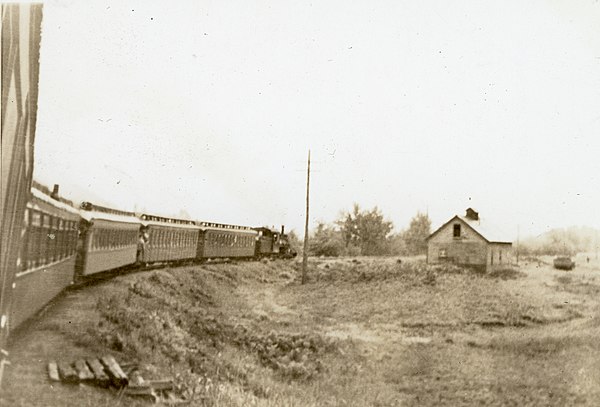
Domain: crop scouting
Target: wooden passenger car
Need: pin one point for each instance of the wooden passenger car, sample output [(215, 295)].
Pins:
[(109, 239), (168, 239), (219, 240), (47, 258)]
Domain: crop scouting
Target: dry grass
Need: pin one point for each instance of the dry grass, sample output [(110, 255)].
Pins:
[(362, 332)]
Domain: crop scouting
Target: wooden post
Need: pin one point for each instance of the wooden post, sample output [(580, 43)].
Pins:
[(305, 254), (518, 242)]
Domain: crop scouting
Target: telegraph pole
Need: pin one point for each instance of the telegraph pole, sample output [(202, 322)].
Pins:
[(305, 253), (518, 242)]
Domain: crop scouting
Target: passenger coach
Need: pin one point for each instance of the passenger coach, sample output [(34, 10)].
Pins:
[(109, 239), (47, 258), (167, 239), (219, 240)]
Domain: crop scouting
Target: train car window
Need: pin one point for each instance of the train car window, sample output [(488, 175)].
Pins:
[(25, 247), (43, 254), (58, 237), (73, 242), (98, 235), (62, 238), (32, 246), (67, 238), (51, 239)]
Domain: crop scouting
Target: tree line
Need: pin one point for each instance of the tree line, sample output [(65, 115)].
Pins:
[(369, 233), (567, 241)]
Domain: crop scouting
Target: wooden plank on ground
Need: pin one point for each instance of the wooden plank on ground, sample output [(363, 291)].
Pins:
[(83, 371), (160, 385), (100, 376), (142, 391), (114, 371), (53, 371), (67, 373)]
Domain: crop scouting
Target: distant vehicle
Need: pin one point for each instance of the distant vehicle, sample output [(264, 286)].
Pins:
[(564, 263)]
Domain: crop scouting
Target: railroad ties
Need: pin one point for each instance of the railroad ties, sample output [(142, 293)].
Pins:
[(106, 372)]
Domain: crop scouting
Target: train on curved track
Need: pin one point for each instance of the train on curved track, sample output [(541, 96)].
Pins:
[(62, 245)]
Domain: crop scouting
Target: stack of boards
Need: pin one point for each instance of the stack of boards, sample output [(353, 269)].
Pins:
[(106, 372)]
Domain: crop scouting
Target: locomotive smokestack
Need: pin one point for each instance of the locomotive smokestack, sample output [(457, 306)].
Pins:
[(54, 194)]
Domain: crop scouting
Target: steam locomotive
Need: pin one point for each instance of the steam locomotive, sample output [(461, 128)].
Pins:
[(63, 245)]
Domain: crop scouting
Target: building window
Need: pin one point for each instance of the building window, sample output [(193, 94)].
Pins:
[(442, 254), (500, 257), (456, 230)]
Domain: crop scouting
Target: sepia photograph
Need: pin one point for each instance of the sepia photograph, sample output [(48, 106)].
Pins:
[(293, 203)]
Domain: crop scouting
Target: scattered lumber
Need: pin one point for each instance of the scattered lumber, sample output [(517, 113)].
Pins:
[(100, 378), (142, 391), (114, 371), (67, 373), (105, 371), (53, 371), (83, 371)]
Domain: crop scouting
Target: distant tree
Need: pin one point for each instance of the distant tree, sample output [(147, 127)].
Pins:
[(326, 241), (417, 232), (561, 242), (397, 245), (367, 230), (294, 240), (348, 225)]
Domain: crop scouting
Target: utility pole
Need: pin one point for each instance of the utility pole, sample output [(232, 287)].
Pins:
[(305, 253), (518, 242)]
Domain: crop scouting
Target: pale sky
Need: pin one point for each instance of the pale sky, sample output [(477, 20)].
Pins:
[(210, 107)]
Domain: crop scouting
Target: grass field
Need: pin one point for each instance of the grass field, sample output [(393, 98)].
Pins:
[(361, 332)]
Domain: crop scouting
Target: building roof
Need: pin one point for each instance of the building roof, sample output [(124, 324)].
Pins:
[(492, 233)]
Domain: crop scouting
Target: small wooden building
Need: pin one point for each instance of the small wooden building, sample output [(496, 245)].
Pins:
[(469, 241)]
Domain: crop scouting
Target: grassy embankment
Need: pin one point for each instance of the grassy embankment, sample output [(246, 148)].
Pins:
[(361, 332)]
